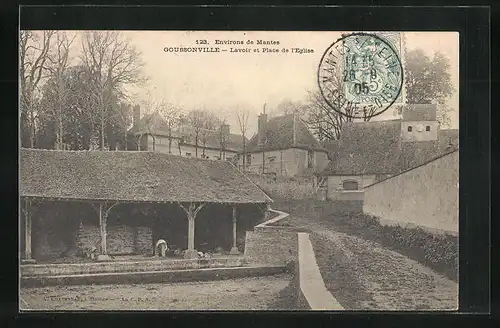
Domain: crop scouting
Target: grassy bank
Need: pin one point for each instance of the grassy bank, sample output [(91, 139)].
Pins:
[(439, 252), (337, 274)]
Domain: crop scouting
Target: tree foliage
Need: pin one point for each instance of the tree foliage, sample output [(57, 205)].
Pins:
[(79, 102), (428, 81)]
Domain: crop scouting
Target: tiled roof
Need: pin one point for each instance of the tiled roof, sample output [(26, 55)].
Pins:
[(151, 123), (159, 126), (279, 135), (213, 138), (133, 176), (332, 146), (419, 112), (376, 148), (367, 148)]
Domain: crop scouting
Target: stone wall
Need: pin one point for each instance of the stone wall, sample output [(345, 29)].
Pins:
[(426, 196), (143, 240), (317, 208), (121, 239), (287, 162), (88, 236)]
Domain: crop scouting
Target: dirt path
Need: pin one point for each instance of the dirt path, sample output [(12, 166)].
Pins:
[(386, 279), (257, 293)]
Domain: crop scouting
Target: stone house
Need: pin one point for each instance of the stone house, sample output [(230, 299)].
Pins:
[(152, 133), (283, 146), (122, 202), (372, 151)]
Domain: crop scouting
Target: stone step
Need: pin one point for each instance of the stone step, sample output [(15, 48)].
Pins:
[(30, 270), (165, 276)]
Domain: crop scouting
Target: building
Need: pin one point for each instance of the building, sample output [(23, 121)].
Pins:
[(153, 133), (122, 202), (283, 146), (371, 151)]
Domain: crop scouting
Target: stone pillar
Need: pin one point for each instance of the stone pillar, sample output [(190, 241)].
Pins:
[(234, 249)]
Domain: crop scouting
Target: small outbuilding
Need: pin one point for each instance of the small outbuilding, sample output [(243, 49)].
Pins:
[(122, 202)]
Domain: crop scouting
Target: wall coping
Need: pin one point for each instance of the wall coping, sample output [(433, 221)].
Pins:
[(281, 215), (413, 168), (311, 282), (155, 261)]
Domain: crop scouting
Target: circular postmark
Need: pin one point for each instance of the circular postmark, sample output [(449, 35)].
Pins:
[(360, 75)]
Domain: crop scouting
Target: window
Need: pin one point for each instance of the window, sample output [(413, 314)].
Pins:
[(350, 185), (427, 128), (249, 159), (188, 154), (409, 128)]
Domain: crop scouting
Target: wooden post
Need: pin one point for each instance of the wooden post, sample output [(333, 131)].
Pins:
[(191, 213), (190, 234), (102, 226), (234, 249), (27, 232), (103, 209)]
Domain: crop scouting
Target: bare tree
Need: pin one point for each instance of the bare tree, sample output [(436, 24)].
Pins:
[(111, 62), (210, 122), (33, 54), (172, 117), (224, 134), (58, 65), (287, 106), (195, 119), (242, 115)]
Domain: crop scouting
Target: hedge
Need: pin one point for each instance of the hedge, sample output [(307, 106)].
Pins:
[(437, 251)]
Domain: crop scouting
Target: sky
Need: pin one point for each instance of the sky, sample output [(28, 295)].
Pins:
[(225, 80)]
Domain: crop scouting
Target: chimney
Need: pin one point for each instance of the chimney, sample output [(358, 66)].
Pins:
[(136, 116), (262, 128)]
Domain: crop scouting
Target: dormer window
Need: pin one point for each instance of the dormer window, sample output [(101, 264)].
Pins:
[(410, 128), (427, 128)]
